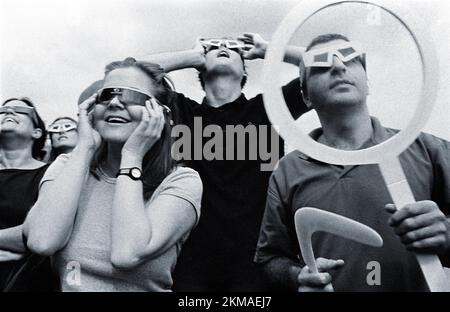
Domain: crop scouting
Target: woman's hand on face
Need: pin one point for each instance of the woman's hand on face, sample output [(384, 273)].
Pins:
[(147, 133), (87, 136)]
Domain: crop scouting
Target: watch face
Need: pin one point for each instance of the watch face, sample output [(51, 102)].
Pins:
[(135, 173)]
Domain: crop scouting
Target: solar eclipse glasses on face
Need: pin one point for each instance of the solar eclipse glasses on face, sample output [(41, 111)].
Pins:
[(62, 127), (23, 110), (212, 44), (323, 57), (126, 96)]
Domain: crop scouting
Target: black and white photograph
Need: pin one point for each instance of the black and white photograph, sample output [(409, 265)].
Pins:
[(228, 150)]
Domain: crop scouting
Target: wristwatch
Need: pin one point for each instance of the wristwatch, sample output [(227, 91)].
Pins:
[(134, 173)]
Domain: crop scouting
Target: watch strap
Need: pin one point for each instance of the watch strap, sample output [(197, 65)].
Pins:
[(128, 172)]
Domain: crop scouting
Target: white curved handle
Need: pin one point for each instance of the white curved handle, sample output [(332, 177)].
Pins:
[(401, 194)]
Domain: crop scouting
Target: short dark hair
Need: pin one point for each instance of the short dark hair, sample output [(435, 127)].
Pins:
[(316, 41), (37, 151), (324, 39)]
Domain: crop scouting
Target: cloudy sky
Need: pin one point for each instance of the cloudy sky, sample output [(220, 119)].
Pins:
[(50, 50)]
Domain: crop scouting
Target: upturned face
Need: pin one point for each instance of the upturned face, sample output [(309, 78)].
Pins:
[(64, 139), (224, 60), (17, 121), (115, 119), (337, 87)]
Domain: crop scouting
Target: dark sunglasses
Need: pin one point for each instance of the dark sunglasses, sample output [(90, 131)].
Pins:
[(126, 96), (29, 111)]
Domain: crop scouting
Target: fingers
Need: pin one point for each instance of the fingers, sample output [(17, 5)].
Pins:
[(420, 221), (327, 288), (247, 36), (154, 117), (321, 281), (328, 264), (411, 210), (248, 47), (10, 256), (421, 226), (85, 107), (318, 280), (391, 208), (424, 233), (432, 244)]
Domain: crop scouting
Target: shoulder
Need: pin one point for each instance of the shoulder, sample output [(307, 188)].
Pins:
[(55, 168), (432, 145), (434, 142), (290, 162), (178, 99), (289, 167), (182, 182), (183, 173)]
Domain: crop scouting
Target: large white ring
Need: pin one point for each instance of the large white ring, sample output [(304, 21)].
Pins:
[(280, 116)]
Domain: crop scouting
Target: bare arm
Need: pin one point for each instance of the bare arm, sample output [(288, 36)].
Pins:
[(11, 239), (256, 48), (141, 232), (49, 223), (171, 61)]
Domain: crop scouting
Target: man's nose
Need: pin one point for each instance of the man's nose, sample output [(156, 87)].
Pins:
[(338, 65)]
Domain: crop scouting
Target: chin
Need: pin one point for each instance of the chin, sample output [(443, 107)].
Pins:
[(346, 98), (115, 135)]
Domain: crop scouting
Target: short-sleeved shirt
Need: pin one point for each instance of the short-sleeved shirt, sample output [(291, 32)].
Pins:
[(218, 255), (89, 247), (18, 192), (359, 193)]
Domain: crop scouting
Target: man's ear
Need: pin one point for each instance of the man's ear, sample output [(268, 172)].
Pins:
[(37, 133), (305, 98), (368, 87)]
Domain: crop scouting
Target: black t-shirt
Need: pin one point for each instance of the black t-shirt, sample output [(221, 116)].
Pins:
[(218, 254), (18, 192)]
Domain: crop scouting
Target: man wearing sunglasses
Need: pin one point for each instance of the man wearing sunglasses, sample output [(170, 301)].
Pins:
[(334, 83), (218, 254)]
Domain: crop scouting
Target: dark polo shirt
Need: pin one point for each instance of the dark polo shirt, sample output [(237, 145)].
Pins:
[(218, 254), (359, 193)]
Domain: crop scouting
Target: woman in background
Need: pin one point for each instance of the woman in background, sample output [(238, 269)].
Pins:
[(22, 138), (63, 136)]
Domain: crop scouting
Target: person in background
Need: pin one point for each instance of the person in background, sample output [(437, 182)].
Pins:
[(218, 256), (63, 136), (22, 138)]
